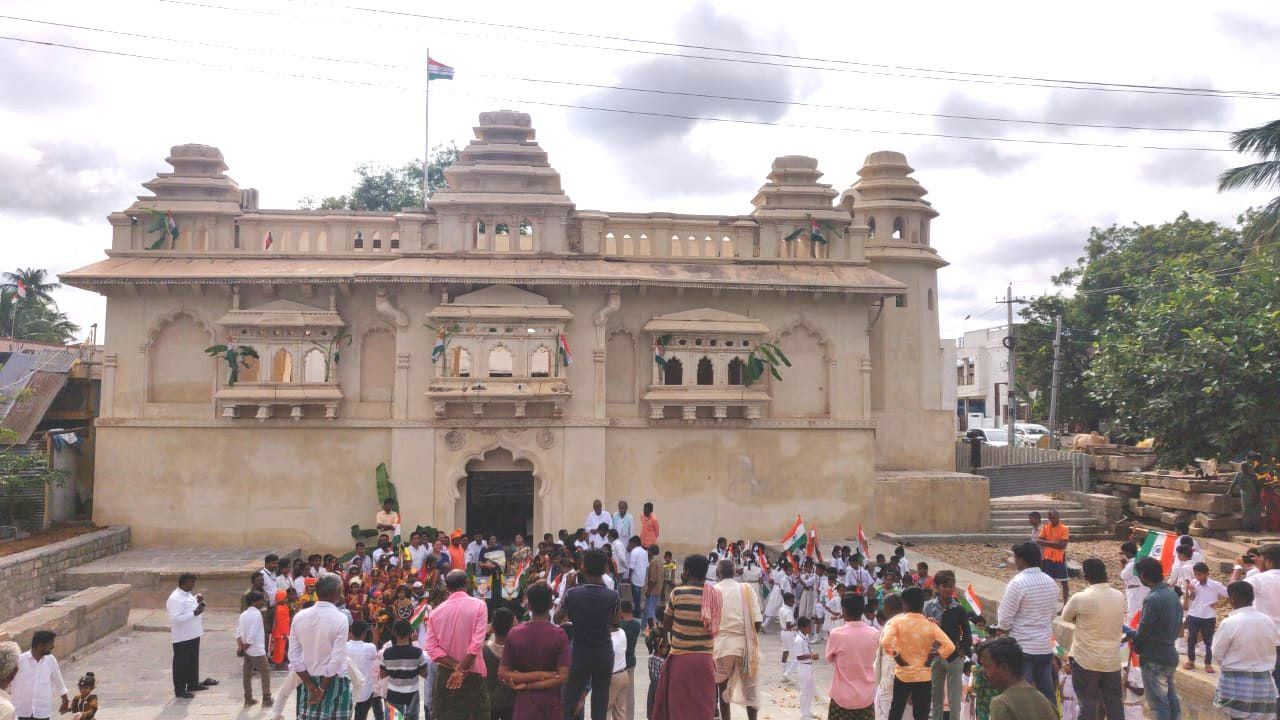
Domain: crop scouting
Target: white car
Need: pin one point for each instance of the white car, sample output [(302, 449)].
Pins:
[(1029, 434), (995, 437)]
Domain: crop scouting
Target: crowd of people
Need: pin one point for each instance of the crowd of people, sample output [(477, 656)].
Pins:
[(457, 626)]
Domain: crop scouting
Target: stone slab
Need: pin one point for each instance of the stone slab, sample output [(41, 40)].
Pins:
[(79, 619), (1198, 502)]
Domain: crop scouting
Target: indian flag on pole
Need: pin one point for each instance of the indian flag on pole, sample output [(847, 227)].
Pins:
[(1158, 545), (660, 350), (437, 352), (863, 546), (566, 357), (22, 290), (969, 600), (796, 538), (438, 70)]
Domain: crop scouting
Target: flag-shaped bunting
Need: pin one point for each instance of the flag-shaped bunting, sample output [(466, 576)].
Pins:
[(419, 614), (863, 546), (566, 357), (22, 290), (969, 600), (438, 70), (796, 538), (1160, 546)]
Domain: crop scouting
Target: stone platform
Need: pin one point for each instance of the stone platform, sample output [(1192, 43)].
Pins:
[(223, 575)]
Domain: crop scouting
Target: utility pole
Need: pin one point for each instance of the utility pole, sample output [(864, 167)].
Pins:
[(1053, 386), (1011, 393)]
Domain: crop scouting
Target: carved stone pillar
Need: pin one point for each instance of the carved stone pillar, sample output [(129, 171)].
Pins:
[(107, 391), (866, 388), (400, 397)]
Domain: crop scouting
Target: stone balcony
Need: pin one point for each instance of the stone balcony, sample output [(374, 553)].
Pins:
[(480, 393), (719, 398), (267, 396)]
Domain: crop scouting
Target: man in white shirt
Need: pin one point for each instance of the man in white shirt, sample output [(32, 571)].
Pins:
[(1026, 613), (857, 576), (1201, 596), (268, 573), (9, 653), (598, 537), (736, 650), (638, 564), (363, 657), (623, 521), (185, 628), (618, 551), (384, 548), (1134, 591), (1266, 592), (475, 550), (1245, 645), (318, 654), (38, 680), (1098, 612), (597, 516), (251, 643), (418, 553)]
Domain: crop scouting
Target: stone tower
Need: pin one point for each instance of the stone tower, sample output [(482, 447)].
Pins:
[(905, 353)]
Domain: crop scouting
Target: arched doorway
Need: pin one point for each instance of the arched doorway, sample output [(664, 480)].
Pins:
[(497, 496)]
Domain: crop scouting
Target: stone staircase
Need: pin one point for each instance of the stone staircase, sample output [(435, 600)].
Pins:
[(1008, 523)]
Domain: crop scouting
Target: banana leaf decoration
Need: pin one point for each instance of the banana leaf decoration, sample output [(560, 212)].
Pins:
[(386, 489), (235, 355), (817, 230), (163, 223), (766, 356), (333, 351)]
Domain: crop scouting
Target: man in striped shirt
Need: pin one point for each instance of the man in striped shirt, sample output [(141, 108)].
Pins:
[(403, 663), (686, 689), (1026, 613)]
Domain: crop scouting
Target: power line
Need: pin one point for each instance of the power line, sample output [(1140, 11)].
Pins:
[(643, 113), (981, 78), (570, 83)]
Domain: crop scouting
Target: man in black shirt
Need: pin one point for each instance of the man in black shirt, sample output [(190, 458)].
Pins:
[(950, 615), (593, 609)]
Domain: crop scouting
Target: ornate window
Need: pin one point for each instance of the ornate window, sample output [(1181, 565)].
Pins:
[(706, 374), (500, 362), (540, 363), (673, 372), (735, 371), (313, 366), (710, 343), (282, 367)]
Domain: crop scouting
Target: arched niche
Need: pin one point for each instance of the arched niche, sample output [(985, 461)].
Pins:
[(805, 390), (377, 365), (620, 367), (177, 366)]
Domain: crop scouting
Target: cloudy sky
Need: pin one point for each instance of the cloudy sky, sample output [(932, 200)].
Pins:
[(297, 92)]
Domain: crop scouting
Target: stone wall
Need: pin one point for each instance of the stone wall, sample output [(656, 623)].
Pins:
[(78, 619), (930, 502), (1107, 509), (28, 577)]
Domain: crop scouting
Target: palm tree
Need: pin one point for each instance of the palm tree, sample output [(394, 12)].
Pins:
[(35, 281), (1263, 141)]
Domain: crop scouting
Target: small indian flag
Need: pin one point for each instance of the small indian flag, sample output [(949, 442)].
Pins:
[(762, 560), (566, 357), (863, 546), (171, 225), (660, 349), (815, 232), (393, 712), (796, 538), (1058, 649), (970, 601), (438, 70), (1133, 625), (22, 290), (419, 614), (437, 352), (814, 548), (1160, 546)]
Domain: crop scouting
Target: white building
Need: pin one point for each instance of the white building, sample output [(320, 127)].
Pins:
[(982, 379)]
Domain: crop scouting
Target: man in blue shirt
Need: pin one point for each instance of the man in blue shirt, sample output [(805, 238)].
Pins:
[(1157, 631)]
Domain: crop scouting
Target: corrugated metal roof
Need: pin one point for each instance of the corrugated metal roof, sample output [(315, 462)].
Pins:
[(29, 382)]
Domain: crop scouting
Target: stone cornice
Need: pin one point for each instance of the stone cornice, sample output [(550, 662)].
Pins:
[(495, 423)]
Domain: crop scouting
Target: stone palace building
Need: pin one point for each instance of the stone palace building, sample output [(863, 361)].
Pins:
[(502, 431)]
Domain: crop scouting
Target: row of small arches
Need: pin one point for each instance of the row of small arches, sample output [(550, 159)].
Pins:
[(284, 242), (501, 363), (688, 246), (501, 238), (899, 231), (672, 372), (314, 368)]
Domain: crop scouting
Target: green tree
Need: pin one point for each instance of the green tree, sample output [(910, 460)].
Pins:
[(19, 471), (36, 281), (1116, 261), (1193, 359), (386, 188), (1263, 141), (35, 317)]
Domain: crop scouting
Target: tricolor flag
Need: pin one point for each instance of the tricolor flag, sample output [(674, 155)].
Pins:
[(437, 352), (863, 546), (1133, 625), (266, 244), (761, 560), (969, 600), (171, 225), (660, 350), (22, 290), (1160, 546), (814, 548), (815, 233), (419, 614), (438, 70), (393, 712), (1058, 649), (566, 357), (796, 538)]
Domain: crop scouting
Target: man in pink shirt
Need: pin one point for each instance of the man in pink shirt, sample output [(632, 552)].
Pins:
[(455, 640), (852, 650)]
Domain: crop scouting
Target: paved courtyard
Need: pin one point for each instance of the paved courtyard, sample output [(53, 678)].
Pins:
[(134, 681)]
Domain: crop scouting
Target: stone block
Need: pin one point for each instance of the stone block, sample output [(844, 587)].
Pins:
[(1194, 501), (1219, 522)]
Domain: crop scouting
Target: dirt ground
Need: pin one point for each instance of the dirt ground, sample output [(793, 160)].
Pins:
[(996, 561), (43, 537)]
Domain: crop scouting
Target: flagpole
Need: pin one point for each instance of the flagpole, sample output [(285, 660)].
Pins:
[(426, 126)]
